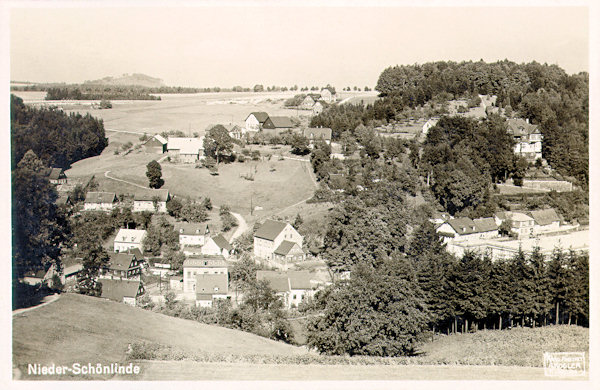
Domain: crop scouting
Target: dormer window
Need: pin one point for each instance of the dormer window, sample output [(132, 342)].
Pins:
[(216, 289)]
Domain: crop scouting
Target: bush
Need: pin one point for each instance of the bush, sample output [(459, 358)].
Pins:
[(209, 162), (241, 158), (255, 155), (246, 152)]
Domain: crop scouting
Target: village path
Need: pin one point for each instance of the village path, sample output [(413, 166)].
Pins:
[(123, 181), (124, 131), (45, 301), (242, 226)]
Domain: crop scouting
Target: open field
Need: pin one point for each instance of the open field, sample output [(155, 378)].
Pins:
[(78, 328)]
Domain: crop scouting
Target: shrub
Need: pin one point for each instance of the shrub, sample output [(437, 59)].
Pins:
[(255, 155)]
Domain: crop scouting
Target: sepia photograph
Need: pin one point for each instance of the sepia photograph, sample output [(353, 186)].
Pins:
[(288, 194)]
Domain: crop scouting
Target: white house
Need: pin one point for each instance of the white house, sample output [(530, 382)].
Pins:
[(255, 120), (151, 200), (271, 235), (486, 227), (522, 224), (292, 286), (327, 95), (318, 108), (156, 144), (318, 133), (100, 201), (186, 150), (211, 287), (192, 234), (429, 124), (201, 265), (217, 245), (458, 229), (129, 239), (528, 138)]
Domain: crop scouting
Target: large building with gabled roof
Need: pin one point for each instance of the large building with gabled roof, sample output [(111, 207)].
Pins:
[(99, 201), (275, 125), (255, 121), (151, 200), (276, 239)]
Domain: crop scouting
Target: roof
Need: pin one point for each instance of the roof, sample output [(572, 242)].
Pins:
[(116, 290), (544, 217), (284, 248), (191, 229), (270, 229), (222, 242), (36, 274), (63, 199), (130, 235), (162, 195), (440, 215), (72, 269), (520, 217), (463, 225), (211, 284), (299, 280), (56, 173), (205, 261), (186, 145), (277, 280), (100, 197), (485, 224), (281, 121), (519, 127), (135, 251), (120, 261), (159, 138), (231, 127), (502, 215), (318, 132), (261, 116)]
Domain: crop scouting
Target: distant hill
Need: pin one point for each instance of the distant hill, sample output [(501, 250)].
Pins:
[(139, 79)]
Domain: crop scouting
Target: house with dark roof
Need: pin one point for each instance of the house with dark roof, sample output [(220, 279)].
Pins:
[(99, 201), (292, 286), (154, 201), (458, 229), (125, 291), (211, 287), (271, 235), (156, 144), (192, 234), (201, 265), (217, 245), (486, 227), (528, 138), (318, 133), (64, 200), (56, 176), (122, 266), (308, 103), (288, 252), (546, 220), (255, 121), (275, 125)]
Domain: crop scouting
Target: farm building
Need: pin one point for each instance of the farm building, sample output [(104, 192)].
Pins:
[(291, 286), (99, 201), (486, 227), (275, 125), (186, 150), (217, 245), (271, 235), (156, 144), (210, 287), (255, 121), (122, 266), (201, 265), (192, 233), (125, 291), (129, 239), (458, 229), (546, 220), (56, 176), (318, 133), (151, 200), (528, 138)]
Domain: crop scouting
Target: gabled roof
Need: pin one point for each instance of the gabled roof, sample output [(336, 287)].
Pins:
[(277, 280), (135, 251), (186, 145), (485, 224), (211, 284), (231, 127), (191, 229), (72, 269), (56, 173), (149, 195), (440, 215), (544, 217), (318, 133), (222, 242), (270, 229), (120, 261), (63, 199), (285, 247), (520, 217), (299, 280), (261, 116), (502, 215), (281, 122), (463, 225), (205, 261), (134, 236), (100, 197), (39, 274), (116, 290), (519, 127), (159, 138)]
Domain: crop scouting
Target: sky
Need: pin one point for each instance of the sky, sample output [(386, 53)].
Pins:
[(204, 46)]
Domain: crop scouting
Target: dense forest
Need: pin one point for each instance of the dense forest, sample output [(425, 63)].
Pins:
[(56, 138), (87, 92), (544, 94)]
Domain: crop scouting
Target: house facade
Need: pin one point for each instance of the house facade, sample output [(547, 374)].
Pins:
[(307, 104), (217, 246), (201, 265), (122, 266), (318, 133), (192, 234), (210, 288), (275, 125), (57, 176), (123, 291), (271, 235), (100, 201), (292, 286), (522, 224), (327, 95), (154, 201), (458, 229), (156, 144), (528, 139), (546, 220), (185, 149), (318, 108), (129, 239), (255, 121)]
